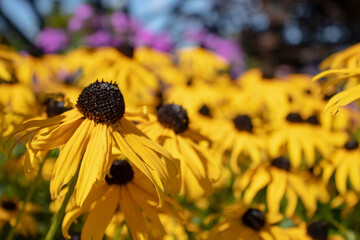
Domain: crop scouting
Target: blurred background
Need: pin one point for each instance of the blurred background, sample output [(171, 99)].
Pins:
[(277, 36)]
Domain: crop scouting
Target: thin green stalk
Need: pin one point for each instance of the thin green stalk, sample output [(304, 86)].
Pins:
[(60, 214), (28, 197)]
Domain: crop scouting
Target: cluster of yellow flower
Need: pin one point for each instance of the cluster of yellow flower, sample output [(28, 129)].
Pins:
[(138, 128)]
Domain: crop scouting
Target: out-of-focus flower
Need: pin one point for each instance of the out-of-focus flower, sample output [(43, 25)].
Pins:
[(99, 38), (280, 182), (10, 208), (345, 163), (171, 130), (81, 15), (125, 188), (51, 40), (161, 42)]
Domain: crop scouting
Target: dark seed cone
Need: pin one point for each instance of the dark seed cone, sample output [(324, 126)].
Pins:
[(281, 163), (54, 108), (9, 205), (294, 118), (254, 218), (318, 230), (121, 173), (351, 144), (243, 123), (102, 102), (205, 111), (174, 117)]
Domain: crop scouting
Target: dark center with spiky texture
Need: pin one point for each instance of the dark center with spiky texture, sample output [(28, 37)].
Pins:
[(121, 173), (318, 230), (54, 107), (294, 118), (9, 205), (254, 218), (313, 120), (205, 111), (243, 123), (102, 102), (282, 163), (351, 144), (173, 116)]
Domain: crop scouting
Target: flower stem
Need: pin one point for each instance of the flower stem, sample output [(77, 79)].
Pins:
[(28, 197), (60, 214)]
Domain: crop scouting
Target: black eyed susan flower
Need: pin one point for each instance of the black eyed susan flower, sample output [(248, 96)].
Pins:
[(298, 135), (201, 63), (243, 139), (17, 103), (85, 136), (125, 189), (280, 182), (346, 202), (10, 208), (265, 93), (171, 129), (241, 223), (345, 164)]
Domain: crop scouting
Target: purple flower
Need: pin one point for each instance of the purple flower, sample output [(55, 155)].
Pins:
[(51, 40), (81, 15), (99, 38), (84, 12), (160, 42), (144, 38), (119, 21)]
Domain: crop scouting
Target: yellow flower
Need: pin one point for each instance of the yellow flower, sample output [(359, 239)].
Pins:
[(127, 189), (85, 136), (9, 209), (17, 103), (201, 63), (265, 94), (171, 130), (348, 200), (298, 135), (243, 139), (240, 223), (280, 182), (345, 163)]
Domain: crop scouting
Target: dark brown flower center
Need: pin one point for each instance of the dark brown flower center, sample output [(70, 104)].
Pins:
[(281, 163), (308, 91), (127, 50), (243, 123), (102, 102), (313, 120), (205, 111), (254, 218), (318, 230), (294, 118), (351, 144), (54, 107), (9, 205), (121, 173), (173, 116)]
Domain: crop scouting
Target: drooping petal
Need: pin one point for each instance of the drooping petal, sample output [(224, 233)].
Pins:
[(101, 214)]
